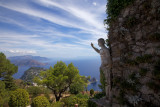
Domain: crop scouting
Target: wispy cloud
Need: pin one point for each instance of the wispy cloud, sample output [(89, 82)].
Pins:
[(65, 28)]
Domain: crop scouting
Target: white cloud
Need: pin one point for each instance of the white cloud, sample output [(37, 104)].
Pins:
[(45, 39), (22, 51), (94, 3)]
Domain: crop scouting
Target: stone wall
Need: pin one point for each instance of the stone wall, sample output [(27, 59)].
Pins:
[(134, 40)]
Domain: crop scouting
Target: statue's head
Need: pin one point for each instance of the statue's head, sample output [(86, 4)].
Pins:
[(101, 42)]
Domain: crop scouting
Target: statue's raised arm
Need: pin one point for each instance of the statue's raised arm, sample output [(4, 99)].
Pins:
[(97, 50)]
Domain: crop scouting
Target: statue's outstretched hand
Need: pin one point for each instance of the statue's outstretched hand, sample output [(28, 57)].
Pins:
[(91, 44)]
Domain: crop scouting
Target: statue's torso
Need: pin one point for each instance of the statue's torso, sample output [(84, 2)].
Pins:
[(105, 57)]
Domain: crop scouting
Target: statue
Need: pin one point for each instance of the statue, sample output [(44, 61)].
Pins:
[(105, 64)]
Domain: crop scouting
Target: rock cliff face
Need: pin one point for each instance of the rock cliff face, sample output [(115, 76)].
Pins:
[(31, 73), (134, 39)]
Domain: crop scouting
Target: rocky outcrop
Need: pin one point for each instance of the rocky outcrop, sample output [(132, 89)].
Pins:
[(31, 73), (134, 40)]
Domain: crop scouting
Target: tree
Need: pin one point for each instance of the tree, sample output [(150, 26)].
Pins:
[(40, 101), (4, 96), (34, 91), (6, 68), (91, 92), (78, 85), (6, 71), (60, 77), (19, 98)]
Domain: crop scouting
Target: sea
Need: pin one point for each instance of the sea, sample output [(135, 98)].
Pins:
[(86, 67)]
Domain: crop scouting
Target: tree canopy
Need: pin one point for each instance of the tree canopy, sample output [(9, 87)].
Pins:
[(60, 78), (6, 68), (19, 98), (4, 94)]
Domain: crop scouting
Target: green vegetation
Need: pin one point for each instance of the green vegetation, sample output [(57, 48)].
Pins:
[(154, 86), (29, 75), (56, 80), (61, 77), (78, 84), (154, 37), (40, 101), (91, 103), (6, 68), (121, 99), (99, 95), (34, 91), (143, 59), (19, 98), (102, 81), (4, 94), (91, 92), (6, 71), (81, 100), (131, 62), (139, 59), (114, 8), (130, 85), (156, 71), (130, 22), (57, 104), (143, 71)]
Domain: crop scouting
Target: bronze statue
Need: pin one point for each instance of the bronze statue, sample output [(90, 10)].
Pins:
[(105, 64)]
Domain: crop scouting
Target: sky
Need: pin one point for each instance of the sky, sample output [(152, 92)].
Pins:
[(51, 28)]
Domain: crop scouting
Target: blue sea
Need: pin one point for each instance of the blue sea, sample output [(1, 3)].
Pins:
[(86, 67)]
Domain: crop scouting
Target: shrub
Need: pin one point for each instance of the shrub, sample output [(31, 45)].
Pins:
[(19, 98), (4, 94), (40, 101), (99, 95), (91, 104), (130, 22), (72, 100), (82, 96), (58, 104), (102, 81), (114, 8), (143, 59), (34, 91), (91, 92)]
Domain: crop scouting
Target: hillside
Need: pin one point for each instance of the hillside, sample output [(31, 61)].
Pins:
[(31, 73), (38, 58), (28, 60)]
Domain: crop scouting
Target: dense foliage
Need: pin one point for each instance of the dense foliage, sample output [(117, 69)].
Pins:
[(4, 94), (34, 91), (40, 101), (57, 104), (78, 85), (102, 81), (81, 100), (91, 92), (19, 98), (114, 8), (6, 68), (6, 71), (60, 77)]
